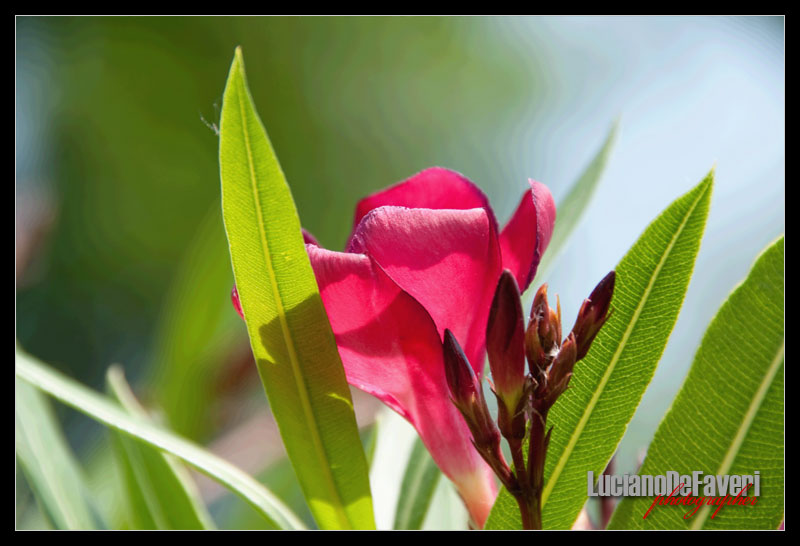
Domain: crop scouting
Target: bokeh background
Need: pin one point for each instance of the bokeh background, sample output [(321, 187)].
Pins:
[(120, 250)]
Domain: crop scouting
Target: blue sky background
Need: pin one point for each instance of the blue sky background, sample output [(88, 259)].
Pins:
[(691, 93)]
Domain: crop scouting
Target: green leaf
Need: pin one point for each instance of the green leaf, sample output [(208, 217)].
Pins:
[(419, 484), (447, 511), (161, 493), (728, 417), (396, 438), (290, 335), (279, 478), (571, 208), (47, 461), (369, 441), (103, 410), (590, 418), (136, 514)]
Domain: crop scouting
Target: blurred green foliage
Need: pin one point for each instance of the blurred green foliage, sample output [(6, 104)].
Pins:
[(112, 125), (123, 255)]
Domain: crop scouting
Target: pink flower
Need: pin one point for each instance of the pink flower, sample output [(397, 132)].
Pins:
[(425, 255)]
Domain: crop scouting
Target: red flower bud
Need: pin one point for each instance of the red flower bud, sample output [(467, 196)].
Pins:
[(505, 342), (548, 331), (561, 371), (467, 395), (593, 314), (543, 334)]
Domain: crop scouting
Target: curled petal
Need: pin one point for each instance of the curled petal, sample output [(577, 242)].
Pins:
[(448, 260), (390, 348), (308, 238), (526, 236), (235, 301), (433, 188)]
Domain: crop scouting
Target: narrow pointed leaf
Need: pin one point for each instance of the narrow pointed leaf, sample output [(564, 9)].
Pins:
[(446, 511), (290, 335), (48, 463), (590, 418), (134, 510), (369, 441), (571, 208), (419, 484), (109, 413), (161, 493), (728, 417)]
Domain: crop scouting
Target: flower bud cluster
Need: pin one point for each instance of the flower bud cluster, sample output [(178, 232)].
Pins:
[(551, 360), (523, 398)]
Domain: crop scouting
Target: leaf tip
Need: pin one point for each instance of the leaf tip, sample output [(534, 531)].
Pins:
[(706, 185), (612, 134), (711, 174), (238, 60)]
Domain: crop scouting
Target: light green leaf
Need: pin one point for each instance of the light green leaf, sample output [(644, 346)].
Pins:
[(369, 441), (728, 417), (161, 493), (290, 335), (134, 513), (103, 410), (571, 208), (419, 484), (47, 461), (590, 418)]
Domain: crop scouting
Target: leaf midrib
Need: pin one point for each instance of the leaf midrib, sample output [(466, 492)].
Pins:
[(744, 428), (562, 461), (300, 383)]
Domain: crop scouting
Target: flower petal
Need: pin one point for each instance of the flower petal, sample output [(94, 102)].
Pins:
[(527, 234), (433, 188), (308, 238), (448, 260), (390, 348)]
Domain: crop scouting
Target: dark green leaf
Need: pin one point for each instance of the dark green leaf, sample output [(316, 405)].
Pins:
[(728, 417)]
